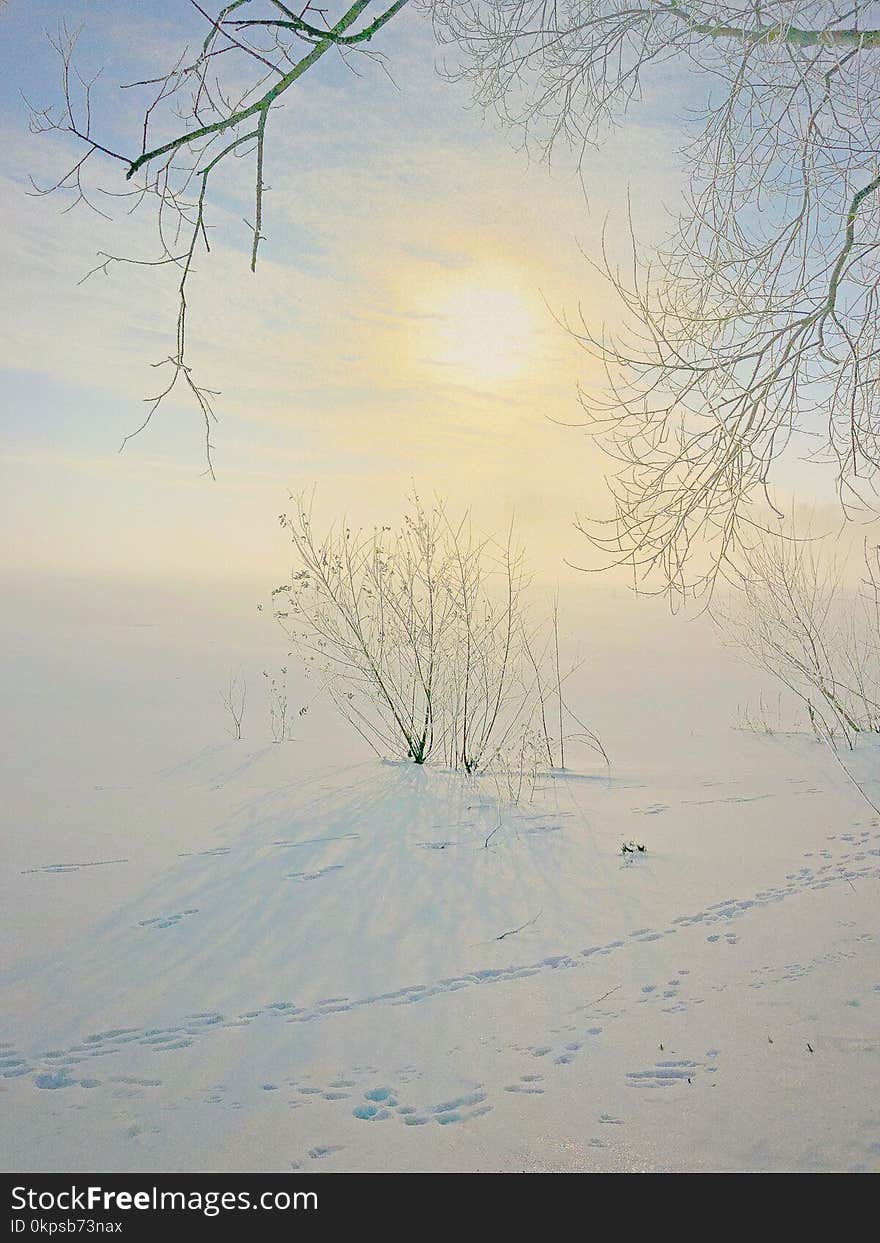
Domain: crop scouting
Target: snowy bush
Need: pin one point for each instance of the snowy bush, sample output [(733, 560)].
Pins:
[(422, 635), (791, 615)]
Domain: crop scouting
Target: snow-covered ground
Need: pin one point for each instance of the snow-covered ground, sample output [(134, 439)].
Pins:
[(225, 955)]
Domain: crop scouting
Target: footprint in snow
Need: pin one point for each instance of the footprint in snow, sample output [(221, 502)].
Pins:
[(302, 877), (666, 1073), (54, 868), (166, 921), (379, 1103), (528, 1085)]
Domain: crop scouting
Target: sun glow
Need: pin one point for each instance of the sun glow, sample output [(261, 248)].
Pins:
[(484, 331)]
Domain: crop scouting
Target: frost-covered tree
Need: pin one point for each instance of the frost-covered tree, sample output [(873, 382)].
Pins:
[(756, 321)]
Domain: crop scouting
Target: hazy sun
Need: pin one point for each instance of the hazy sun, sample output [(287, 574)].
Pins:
[(486, 331)]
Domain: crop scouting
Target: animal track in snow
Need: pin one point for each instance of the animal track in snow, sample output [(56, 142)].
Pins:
[(71, 867), (381, 1103), (12, 1065), (371, 1113), (181, 1035), (528, 1084), (314, 841), (665, 1073), (54, 1079), (460, 1108), (319, 1153), (563, 1054), (167, 921), (730, 798), (377, 1105), (306, 876)]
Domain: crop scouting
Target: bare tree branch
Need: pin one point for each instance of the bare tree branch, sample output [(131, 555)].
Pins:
[(211, 109), (752, 331)]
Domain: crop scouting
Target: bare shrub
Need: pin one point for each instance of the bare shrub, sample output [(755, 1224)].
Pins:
[(234, 699), (791, 615), (422, 634), (515, 767), (276, 695), (761, 717)]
